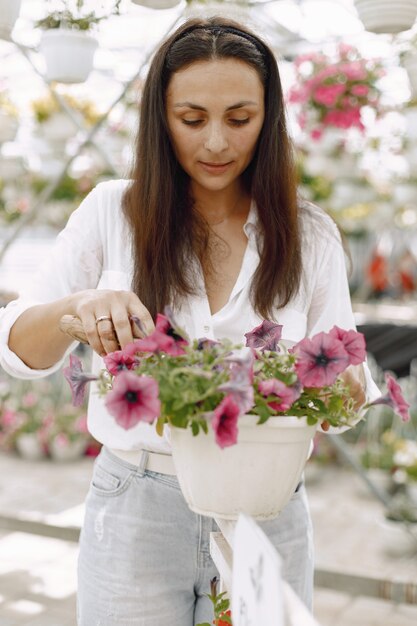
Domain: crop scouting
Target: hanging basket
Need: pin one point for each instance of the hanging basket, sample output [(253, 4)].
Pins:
[(157, 4), (9, 12), (69, 54), (386, 16), (257, 476)]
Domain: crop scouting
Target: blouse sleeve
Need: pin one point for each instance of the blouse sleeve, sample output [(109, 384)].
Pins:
[(73, 264), (330, 300)]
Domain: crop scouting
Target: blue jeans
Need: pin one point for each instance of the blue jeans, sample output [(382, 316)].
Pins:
[(144, 556)]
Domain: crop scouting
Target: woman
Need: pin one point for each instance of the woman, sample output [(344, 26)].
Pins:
[(210, 224)]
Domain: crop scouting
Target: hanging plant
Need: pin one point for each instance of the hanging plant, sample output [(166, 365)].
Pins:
[(332, 91), (66, 42)]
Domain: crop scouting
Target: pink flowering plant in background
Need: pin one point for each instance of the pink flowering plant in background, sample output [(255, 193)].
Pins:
[(332, 90), (204, 384)]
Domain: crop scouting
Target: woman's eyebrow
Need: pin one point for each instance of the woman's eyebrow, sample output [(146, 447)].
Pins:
[(197, 107)]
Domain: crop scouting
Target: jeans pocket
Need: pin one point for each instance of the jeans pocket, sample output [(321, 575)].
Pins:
[(110, 482)]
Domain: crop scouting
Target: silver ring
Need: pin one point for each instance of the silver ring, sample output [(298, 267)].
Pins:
[(102, 318)]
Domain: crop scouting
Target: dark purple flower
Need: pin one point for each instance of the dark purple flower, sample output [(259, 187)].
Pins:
[(266, 336), (133, 399), (285, 395), (119, 361), (320, 360), (353, 342), (224, 422), (239, 386), (204, 343), (394, 398), (77, 379)]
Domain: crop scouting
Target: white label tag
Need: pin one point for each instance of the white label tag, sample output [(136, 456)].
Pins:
[(257, 585)]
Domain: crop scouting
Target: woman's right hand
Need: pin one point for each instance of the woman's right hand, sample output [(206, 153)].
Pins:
[(108, 335)]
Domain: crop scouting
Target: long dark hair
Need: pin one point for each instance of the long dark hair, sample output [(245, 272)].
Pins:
[(166, 232)]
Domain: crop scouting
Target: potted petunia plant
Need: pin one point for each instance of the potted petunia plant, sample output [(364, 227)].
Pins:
[(253, 407)]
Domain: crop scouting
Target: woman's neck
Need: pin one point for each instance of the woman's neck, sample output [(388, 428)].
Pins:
[(221, 206)]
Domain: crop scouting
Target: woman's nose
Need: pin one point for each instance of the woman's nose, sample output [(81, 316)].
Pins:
[(215, 140)]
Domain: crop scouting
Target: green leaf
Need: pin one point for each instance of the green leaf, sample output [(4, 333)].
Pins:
[(160, 426)]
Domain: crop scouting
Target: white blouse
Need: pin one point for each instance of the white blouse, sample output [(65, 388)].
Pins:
[(93, 251)]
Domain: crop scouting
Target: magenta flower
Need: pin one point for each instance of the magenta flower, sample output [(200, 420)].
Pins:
[(224, 422), (320, 360), (133, 399), (119, 361), (394, 398), (353, 342), (286, 396), (154, 343), (328, 94), (77, 379), (265, 336), (167, 324)]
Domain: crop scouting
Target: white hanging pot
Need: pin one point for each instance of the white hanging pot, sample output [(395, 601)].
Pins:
[(29, 446), (410, 64), (9, 12), (386, 16), (157, 4), (8, 127), (257, 476), (69, 54)]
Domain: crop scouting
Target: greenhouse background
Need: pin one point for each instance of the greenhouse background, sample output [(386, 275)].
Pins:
[(68, 122)]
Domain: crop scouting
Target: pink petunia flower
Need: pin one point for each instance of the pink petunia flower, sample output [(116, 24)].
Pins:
[(266, 336), (353, 342), (224, 422), (320, 360), (286, 396), (77, 379), (394, 398), (133, 399), (119, 361), (328, 94), (360, 90)]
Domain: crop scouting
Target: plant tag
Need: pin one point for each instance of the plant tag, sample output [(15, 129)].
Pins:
[(257, 584)]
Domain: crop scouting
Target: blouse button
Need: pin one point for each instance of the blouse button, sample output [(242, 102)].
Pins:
[(206, 329)]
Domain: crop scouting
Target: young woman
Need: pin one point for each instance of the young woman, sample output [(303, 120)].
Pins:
[(210, 223)]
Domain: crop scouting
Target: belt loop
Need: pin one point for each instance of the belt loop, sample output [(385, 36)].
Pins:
[(143, 462)]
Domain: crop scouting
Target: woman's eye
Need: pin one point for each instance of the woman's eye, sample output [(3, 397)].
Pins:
[(239, 122), (192, 122)]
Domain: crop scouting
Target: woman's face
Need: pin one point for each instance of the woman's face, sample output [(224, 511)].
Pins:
[(215, 112)]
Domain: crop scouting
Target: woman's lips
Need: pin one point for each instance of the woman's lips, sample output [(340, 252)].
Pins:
[(215, 168)]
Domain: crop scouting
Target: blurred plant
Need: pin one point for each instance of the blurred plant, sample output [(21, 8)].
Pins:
[(6, 105), (332, 90), (44, 108), (74, 15), (42, 408)]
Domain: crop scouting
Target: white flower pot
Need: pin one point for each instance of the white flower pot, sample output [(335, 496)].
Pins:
[(9, 12), (386, 16), (69, 452), (257, 476), (410, 64), (8, 127), (29, 446), (157, 4), (69, 54)]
